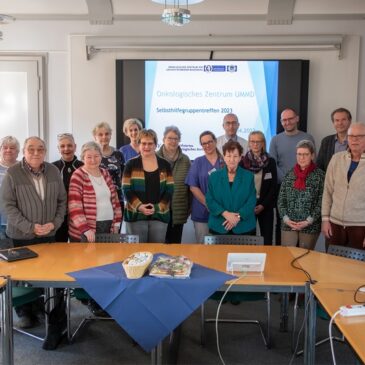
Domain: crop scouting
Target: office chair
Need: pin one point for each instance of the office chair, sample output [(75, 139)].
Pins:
[(343, 251), (20, 294), (81, 294), (237, 296)]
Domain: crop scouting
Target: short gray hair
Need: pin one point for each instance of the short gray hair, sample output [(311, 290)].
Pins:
[(9, 140), (174, 129), (129, 122), (68, 136), (306, 143), (38, 139), (89, 146)]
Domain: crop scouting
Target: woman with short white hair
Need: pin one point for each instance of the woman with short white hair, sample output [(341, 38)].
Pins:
[(9, 150)]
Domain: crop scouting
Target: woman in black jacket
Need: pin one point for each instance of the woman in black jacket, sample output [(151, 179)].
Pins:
[(258, 161)]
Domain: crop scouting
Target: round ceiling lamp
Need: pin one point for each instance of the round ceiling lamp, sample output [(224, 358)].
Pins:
[(175, 13)]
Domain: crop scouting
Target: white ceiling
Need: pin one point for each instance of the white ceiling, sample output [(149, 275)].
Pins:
[(110, 11)]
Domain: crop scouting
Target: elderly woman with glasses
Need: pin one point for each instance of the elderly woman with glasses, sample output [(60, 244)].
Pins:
[(148, 186), (67, 164), (197, 179), (180, 164), (131, 128), (300, 198), (9, 150), (231, 195), (258, 161)]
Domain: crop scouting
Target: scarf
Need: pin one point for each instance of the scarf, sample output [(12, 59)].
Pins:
[(301, 175), (255, 163)]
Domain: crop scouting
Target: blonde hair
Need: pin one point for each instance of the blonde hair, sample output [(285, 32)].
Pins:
[(147, 133), (102, 125), (129, 122)]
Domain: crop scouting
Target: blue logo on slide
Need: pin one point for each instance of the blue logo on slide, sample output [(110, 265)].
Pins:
[(214, 68), (232, 68)]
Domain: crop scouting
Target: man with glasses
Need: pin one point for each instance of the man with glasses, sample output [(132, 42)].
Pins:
[(34, 200), (283, 150), (231, 125), (341, 119), (343, 203)]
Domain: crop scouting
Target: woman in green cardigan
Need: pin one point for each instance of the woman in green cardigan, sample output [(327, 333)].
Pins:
[(231, 195), (180, 164)]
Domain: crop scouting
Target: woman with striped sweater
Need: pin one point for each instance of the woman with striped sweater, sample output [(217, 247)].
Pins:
[(93, 202)]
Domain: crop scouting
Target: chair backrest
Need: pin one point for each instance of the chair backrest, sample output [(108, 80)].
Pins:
[(349, 252), (233, 240), (114, 238)]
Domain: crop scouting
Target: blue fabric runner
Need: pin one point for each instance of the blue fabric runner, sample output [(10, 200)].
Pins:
[(149, 308)]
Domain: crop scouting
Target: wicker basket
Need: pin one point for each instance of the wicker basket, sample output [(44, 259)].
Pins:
[(136, 264)]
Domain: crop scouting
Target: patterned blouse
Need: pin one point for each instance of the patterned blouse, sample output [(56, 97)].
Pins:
[(299, 205)]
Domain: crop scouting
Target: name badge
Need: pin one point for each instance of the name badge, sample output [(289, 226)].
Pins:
[(268, 176), (212, 170)]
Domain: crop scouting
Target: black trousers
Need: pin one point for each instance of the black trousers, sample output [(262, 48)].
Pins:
[(278, 220), (266, 223)]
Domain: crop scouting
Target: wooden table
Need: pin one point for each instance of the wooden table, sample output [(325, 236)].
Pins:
[(337, 277), (56, 259), (332, 296)]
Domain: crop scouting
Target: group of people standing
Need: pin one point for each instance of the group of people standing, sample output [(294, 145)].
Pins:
[(233, 186)]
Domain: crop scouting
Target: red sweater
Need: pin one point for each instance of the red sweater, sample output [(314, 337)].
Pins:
[(82, 203)]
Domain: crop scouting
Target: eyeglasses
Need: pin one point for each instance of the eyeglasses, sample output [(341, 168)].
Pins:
[(145, 144), (208, 143), (355, 136), (231, 123), (256, 142), (172, 139), (33, 151), (288, 119), (303, 154)]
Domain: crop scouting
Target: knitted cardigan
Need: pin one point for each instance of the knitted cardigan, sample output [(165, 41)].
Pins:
[(24, 207), (134, 189), (299, 205), (181, 199), (82, 203), (343, 202)]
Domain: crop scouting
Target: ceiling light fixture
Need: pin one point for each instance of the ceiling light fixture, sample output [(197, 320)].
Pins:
[(174, 14), (5, 19)]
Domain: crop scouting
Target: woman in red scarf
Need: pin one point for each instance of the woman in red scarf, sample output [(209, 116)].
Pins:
[(300, 199)]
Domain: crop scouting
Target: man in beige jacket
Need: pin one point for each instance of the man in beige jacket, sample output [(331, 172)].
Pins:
[(343, 203)]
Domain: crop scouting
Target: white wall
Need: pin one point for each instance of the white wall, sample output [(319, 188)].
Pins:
[(82, 92)]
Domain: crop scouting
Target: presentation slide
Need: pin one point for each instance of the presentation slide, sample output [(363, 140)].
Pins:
[(196, 95)]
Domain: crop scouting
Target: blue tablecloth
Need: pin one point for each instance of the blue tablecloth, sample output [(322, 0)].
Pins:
[(149, 308)]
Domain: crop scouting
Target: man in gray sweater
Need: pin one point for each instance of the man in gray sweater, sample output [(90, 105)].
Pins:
[(283, 150), (34, 200)]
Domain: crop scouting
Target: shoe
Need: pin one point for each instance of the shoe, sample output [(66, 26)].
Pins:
[(27, 321), (96, 310)]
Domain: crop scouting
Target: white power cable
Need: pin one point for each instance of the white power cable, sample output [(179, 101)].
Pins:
[(217, 315), (330, 336)]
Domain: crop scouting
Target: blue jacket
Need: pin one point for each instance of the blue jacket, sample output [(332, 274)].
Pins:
[(241, 198)]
